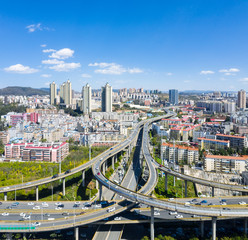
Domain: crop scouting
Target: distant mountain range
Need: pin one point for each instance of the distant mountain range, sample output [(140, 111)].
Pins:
[(24, 91)]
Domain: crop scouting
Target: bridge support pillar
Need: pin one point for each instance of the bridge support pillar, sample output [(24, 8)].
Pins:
[(186, 188), (113, 162), (245, 226), (83, 178), (103, 168), (63, 186), (202, 229), (212, 191), (37, 193), (97, 184), (214, 220), (5, 196), (100, 192), (76, 233), (166, 182), (9, 236), (152, 223)]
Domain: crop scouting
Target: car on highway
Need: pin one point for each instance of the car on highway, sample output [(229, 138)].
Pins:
[(111, 209), (58, 203), (65, 214), (61, 206), (6, 188), (117, 218), (1, 203), (179, 216), (98, 173), (204, 201), (36, 224), (101, 159), (22, 214), (44, 204), (225, 208), (67, 171), (36, 207), (173, 213), (26, 217), (111, 149), (30, 204), (245, 187), (171, 199), (5, 214), (242, 203), (47, 215), (58, 208), (156, 213), (55, 176)]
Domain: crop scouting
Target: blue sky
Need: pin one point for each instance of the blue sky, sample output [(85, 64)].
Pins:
[(193, 44)]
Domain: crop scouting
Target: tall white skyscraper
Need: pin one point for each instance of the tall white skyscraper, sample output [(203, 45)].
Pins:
[(86, 94), (107, 98), (53, 93), (66, 93)]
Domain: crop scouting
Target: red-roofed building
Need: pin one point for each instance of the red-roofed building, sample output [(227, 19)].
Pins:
[(213, 144), (228, 164), (235, 141), (47, 152), (179, 152)]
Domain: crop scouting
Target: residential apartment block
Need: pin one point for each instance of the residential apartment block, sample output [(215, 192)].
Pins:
[(213, 144), (180, 153), (47, 152), (228, 164)]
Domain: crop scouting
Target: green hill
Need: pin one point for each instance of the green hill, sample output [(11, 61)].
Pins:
[(24, 91)]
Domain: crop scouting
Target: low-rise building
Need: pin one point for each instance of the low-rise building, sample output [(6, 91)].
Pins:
[(47, 152), (213, 144), (228, 164)]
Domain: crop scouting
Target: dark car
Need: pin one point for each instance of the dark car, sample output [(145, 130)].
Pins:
[(65, 214), (67, 171), (61, 205), (76, 205), (55, 176)]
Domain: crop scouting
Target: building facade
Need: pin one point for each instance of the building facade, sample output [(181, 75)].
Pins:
[(86, 94), (242, 99), (173, 96), (53, 93), (107, 98)]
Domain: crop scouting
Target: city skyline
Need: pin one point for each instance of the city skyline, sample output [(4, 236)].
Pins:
[(179, 45)]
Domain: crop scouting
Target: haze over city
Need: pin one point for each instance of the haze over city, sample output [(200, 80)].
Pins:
[(184, 44)]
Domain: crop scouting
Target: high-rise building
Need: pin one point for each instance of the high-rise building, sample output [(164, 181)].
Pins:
[(242, 99), (53, 93), (173, 96), (107, 98), (86, 94), (66, 93), (229, 107)]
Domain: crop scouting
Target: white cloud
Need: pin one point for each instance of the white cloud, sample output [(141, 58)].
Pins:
[(34, 27), (46, 75), (19, 68), (230, 71), (47, 83), (244, 80), (186, 81), (48, 50), (43, 45), (205, 72), (169, 74), (113, 68), (52, 61), (63, 53), (65, 67), (85, 75)]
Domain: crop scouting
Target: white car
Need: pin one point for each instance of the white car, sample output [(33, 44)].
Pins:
[(36, 224), (58, 208), (223, 203), (78, 203), (85, 208), (173, 213), (156, 213), (117, 218), (6, 188), (171, 199), (22, 214), (242, 203), (44, 204), (5, 214), (30, 204), (26, 217), (111, 209), (179, 216), (36, 207), (58, 203)]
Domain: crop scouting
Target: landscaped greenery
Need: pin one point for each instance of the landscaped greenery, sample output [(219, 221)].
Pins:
[(173, 191), (16, 172)]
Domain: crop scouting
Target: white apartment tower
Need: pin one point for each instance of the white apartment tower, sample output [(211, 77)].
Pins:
[(66, 93), (53, 93), (107, 98), (242, 99), (86, 94)]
